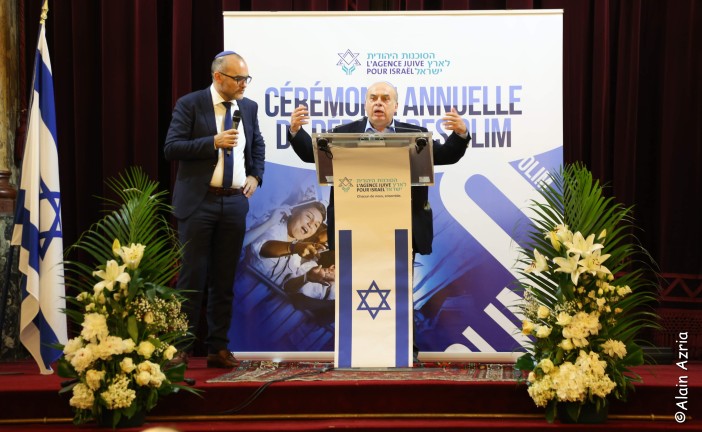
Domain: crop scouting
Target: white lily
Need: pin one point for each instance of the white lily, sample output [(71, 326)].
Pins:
[(602, 235), (131, 255), (539, 264), (581, 245), (569, 265), (551, 235), (563, 233), (113, 273), (593, 264), (116, 247)]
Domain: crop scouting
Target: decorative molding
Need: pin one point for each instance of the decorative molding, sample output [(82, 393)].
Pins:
[(682, 288), (7, 194)]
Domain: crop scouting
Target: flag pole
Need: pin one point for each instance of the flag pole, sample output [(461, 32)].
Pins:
[(44, 12), (37, 226)]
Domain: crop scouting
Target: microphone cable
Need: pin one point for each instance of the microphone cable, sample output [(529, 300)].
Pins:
[(260, 390), (323, 146)]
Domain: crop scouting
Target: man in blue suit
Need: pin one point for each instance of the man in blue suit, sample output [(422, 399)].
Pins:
[(381, 104), (215, 138)]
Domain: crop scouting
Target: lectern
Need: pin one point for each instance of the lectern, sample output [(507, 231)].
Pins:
[(372, 175), (418, 144)]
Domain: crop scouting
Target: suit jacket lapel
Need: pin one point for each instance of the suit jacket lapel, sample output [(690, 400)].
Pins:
[(360, 125), (207, 109), (245, 121)]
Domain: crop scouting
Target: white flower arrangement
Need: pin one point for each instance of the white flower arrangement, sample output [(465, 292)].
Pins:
[(128, 315), (582, 321)]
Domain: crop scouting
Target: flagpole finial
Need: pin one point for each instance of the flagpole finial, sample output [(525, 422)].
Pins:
[(44, 12)]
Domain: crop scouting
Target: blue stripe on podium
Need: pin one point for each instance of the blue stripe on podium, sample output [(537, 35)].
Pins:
[(402, 297), (344, 296)]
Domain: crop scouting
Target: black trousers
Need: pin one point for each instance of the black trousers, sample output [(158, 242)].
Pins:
[(212, 237)]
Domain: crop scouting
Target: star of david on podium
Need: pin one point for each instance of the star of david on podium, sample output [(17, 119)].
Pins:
[(376, 292)]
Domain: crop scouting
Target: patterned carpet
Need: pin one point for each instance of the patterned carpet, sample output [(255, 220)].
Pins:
[(266, 371)]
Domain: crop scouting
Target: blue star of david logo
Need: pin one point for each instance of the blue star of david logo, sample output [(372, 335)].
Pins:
[(349, 58), (53, 198), (348, 62), (382, 294)]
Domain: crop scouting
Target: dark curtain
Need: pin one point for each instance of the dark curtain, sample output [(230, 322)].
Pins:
[(632, 95)]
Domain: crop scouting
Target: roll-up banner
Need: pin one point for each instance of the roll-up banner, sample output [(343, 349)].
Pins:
[(501, 70)]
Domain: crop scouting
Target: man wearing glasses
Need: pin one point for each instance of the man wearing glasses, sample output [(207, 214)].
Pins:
[(380, 105), (215, 138)]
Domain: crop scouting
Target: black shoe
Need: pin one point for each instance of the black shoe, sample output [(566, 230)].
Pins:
[(415, 356)]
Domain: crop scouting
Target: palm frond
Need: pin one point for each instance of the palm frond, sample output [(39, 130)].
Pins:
[(609, 282), (138, 216)]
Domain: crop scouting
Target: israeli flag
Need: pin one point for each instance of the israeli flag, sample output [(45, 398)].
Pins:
[(38, 228), (374, 323)]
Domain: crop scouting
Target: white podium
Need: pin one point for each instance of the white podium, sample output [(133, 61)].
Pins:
[(373, 175)]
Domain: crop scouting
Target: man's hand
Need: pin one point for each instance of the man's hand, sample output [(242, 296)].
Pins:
[(299, 117), (321, 275), (250, 186), (307, 249), (227, 139), (454, 122)]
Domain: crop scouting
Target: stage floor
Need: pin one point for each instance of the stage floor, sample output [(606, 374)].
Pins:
[(446, 396)]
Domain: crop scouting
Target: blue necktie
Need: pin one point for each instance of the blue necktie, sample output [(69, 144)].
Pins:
[(228, 158)]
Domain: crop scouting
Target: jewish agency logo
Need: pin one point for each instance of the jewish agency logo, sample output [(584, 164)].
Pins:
[(348, 61), (345, 184)]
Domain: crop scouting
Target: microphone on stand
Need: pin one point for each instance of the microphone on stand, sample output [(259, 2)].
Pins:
[(420, 142), (236, 119), (323, 145)]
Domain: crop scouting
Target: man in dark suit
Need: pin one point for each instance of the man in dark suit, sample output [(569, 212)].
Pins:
[(381, 104), (215, 138)]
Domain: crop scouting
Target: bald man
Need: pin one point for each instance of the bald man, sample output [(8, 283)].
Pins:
[(215, 138), (381, 105)]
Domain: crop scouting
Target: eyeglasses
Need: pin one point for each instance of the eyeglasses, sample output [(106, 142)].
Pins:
[(239, 78)]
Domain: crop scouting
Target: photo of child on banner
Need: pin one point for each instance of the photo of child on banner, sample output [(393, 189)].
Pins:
[(290, 249)]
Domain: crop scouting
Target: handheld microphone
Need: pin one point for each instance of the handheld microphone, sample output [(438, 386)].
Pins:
[(236, 119)]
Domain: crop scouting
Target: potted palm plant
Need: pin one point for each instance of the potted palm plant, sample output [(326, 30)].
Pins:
[(129, 318), (588, 294)]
